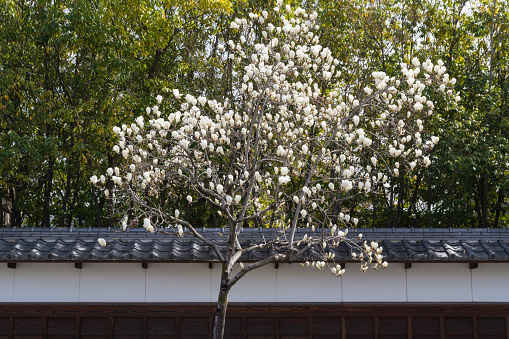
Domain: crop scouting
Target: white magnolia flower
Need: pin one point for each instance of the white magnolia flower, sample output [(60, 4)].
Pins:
[(124, 223), (229, 199), (101, 242), (146, 223)]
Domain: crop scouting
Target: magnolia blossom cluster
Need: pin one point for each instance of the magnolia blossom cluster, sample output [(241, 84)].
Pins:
[(289, 145), (369, 254)]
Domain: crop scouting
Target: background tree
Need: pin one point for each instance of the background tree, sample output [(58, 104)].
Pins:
[(462, 188), (72, 71)]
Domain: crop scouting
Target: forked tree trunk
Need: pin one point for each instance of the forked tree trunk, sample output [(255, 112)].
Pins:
[(222, 304)]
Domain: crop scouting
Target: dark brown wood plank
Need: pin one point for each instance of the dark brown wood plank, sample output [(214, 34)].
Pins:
[(491, 327), (459, 327), (327, 326), (95, 326), (244, 327), (161, 326), (233, 327), (4, 326), (32, 326), (392, 327), (61, 326), (125, 326), (294, 327), (426, 326), (360, 326), (194, 326), (261, 326), (44, 327), (474, 325), (137, 310)]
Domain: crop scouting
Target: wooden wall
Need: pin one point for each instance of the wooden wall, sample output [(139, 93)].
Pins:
[(157, 321)]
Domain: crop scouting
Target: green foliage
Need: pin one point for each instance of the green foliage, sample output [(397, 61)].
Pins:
[(70, 71)]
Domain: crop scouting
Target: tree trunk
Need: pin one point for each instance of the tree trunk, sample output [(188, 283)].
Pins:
[(483, 200), (65, 199), (48, 187), (14, 208), (109, 203), (375, 215), (1, 209), (75, 193), (413, 199), (222, 304), (428, 213), (498, 206), (478, 210), (401, 199), (391, 203), (98, 206)]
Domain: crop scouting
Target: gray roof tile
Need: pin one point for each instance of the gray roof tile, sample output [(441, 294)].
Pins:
[(408, 245)]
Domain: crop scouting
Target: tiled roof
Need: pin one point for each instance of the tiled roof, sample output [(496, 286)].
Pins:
[(404, 245)]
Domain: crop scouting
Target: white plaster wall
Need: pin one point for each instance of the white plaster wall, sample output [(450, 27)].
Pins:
[(490, 283), (439, 283), (42, 282), (106, 282), (383, 285), (172, 282), (6, 283), (178, 282), (256, 286), (303, 284)]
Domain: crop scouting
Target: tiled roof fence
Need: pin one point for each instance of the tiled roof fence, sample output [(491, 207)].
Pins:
[(135, 245)]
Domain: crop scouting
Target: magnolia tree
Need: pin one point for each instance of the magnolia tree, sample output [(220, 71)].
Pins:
[(286, 148)]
